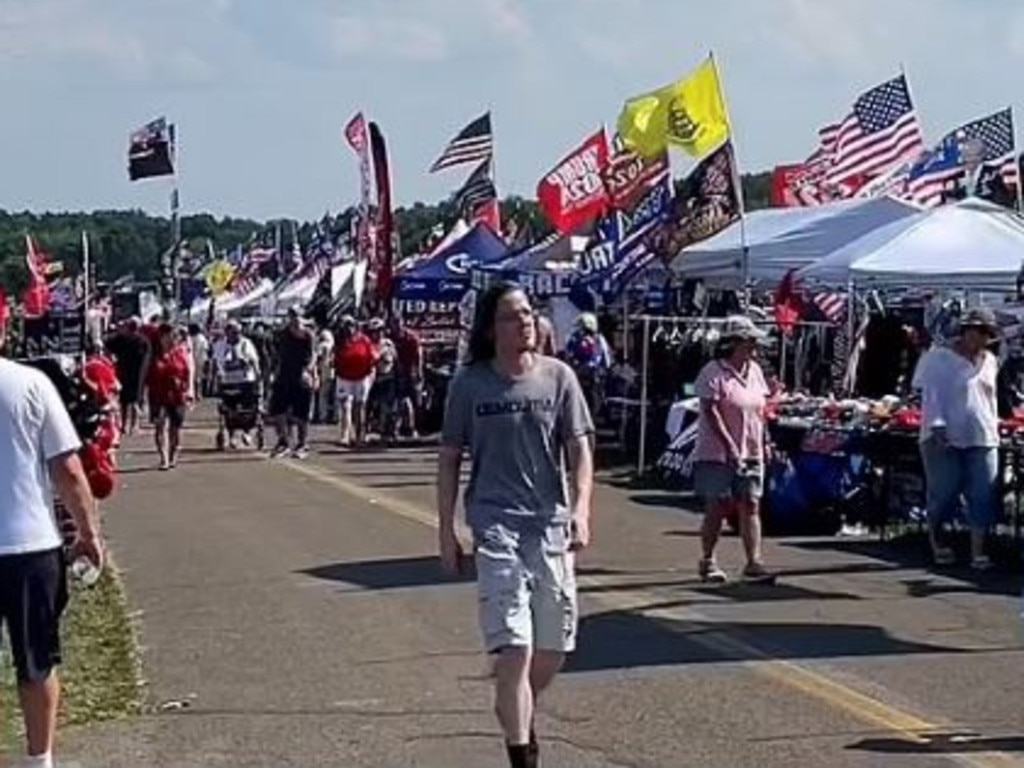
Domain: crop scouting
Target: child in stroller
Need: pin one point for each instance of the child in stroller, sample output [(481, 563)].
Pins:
[(237, 368)]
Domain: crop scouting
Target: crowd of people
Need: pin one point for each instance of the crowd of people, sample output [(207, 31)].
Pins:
[(520, 407)]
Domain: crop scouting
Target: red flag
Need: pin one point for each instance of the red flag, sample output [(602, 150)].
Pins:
[(783, 181), (630, 176), (36, 299), (788, 303), (490, 214), (385, 216), (574, 193)]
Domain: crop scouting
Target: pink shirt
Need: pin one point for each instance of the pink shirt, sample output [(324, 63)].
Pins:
[(741, 400)]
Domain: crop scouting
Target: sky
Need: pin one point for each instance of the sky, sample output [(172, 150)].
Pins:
[(260, 89)]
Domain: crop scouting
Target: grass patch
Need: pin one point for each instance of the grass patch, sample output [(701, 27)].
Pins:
[(101, 673)]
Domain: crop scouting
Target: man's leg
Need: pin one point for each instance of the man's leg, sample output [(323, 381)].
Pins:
[(513, 699), (33, 602), (555, 609), (507, 625), (39, 704)]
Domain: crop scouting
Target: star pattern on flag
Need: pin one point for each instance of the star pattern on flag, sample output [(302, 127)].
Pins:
[(881, 107), (995, 131)]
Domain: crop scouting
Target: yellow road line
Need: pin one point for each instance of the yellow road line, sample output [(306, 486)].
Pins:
[(791, 675)]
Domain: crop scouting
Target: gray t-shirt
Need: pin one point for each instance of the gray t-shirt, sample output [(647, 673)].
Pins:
[(516, 431)]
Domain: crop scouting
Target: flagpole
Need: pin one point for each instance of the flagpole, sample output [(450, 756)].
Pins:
[(175, 223), (738, 181), (86, 266)]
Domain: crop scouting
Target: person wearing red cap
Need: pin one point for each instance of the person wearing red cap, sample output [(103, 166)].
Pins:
[(38, 451)]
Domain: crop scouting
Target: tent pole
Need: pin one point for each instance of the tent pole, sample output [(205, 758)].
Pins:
[(642, 451)]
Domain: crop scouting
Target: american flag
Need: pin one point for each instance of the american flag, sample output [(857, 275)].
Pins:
[(478, 190), (831, 305), (930, 177), (474, 143), (880, 132)]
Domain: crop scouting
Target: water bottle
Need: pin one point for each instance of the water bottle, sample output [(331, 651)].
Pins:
[(85, 572)]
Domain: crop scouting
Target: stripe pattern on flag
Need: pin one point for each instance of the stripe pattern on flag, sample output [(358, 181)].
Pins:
[(474, 143), (478, 190), (881, 131), (831, 305)]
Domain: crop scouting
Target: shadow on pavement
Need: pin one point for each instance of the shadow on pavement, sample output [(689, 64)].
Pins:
[(630, 640), (942, 744), (396, 573), (406, 572), (910, 552)]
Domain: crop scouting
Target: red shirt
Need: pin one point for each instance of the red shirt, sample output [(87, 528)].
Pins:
[(102, 375), (355, 358), (168, 380)]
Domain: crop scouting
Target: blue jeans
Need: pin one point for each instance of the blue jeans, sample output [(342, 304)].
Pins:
[(950, 472)]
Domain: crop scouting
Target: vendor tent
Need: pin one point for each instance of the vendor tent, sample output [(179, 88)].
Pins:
[(972, 244), (445, 276), (782, 239)]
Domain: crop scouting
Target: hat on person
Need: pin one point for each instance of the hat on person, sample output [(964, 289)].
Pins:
[(376, 324), (348, 321), (740, 327), (588, 322), (980, 318)]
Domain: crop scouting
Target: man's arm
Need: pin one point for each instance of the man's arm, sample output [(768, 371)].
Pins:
[(580, 451), (449, 462), (73, 488)]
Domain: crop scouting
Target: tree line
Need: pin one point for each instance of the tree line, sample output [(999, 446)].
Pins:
[(131, 242)]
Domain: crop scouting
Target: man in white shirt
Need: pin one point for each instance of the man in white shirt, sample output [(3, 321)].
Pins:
[(38, 450), (237, 368), (960, 433)]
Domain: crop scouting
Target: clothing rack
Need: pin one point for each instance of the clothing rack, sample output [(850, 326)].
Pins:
[(686, 323)]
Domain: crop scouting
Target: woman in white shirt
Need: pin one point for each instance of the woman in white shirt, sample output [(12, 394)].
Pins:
[(960, 433)]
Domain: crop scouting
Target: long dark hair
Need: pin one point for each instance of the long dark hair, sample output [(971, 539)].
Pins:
[(481, 336)]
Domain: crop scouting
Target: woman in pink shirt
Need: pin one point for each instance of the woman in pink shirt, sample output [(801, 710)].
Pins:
[(728, 470)]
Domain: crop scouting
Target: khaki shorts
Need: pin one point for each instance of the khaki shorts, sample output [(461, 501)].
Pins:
[(714, 481), (527, 591)]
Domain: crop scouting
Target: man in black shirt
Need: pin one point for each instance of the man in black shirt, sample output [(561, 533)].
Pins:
[(291, 398), (130, 349)]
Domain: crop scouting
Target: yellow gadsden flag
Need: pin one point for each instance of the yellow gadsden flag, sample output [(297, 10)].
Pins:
[(218, 276), (690, 114)]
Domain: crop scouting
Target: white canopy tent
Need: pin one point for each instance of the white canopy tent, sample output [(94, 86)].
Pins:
[(973, 244), (782, 239)]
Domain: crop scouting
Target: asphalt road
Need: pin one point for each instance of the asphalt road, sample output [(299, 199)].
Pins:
[(293, 614)]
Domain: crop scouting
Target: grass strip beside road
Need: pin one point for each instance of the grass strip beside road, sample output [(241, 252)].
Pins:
[(101, 674)]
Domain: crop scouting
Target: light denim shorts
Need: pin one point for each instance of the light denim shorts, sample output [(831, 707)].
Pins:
[(715, 481), (526, 586)]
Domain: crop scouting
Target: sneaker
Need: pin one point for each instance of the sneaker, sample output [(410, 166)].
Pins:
[(711, 573), (281, 449), (757, 572), (300, 453)]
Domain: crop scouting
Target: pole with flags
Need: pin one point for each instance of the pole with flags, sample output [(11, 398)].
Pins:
[(738, 180)]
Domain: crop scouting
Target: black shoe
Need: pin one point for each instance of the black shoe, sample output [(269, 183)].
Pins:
[(521, 756)]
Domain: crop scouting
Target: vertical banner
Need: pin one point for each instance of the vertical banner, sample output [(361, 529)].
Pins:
[(358, 140), (385, 221)]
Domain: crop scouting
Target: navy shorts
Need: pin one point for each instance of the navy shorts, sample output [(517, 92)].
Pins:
[(33, 596)]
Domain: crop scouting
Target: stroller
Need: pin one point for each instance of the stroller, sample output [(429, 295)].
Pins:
[(240, 410)]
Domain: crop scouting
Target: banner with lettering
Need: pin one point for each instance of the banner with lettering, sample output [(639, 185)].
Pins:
[(573, 193), (358, 138), (630, 176), (708, 201)]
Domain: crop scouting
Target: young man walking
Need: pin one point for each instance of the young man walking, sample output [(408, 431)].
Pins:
[(520, 416), (38, 445)]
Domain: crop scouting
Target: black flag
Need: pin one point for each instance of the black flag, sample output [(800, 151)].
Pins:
[(151, 151)]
